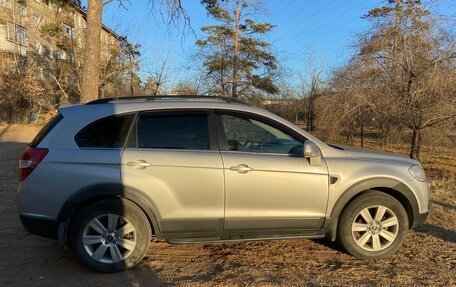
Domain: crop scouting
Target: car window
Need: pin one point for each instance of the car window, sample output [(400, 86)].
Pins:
[(179, 131), (251, 135), (110, 132)]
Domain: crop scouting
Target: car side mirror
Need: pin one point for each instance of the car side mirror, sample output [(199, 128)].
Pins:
[(312, 153)]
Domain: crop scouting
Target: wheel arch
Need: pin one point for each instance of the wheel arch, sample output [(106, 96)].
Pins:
[(98, 192), (390, 186)]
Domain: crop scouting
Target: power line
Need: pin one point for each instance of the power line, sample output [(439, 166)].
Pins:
[(299, 12), (283, 9), (278, 5), (297, 26), (294, 41)]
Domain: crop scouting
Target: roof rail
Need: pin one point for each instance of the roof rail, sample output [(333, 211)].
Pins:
[(154, 98)]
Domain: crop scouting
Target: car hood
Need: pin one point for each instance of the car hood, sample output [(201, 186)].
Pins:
[(369, 154)]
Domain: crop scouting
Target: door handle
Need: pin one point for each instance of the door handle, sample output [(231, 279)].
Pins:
[(242, 168), (139, 164)]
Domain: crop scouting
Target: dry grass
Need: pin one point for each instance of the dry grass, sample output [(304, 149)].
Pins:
[(428, 257)]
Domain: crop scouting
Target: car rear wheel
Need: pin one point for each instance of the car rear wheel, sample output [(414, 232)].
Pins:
[(373, 225), (110, 235)]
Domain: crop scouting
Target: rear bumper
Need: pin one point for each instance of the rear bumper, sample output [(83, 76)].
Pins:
[(419, 219), (40, 226)]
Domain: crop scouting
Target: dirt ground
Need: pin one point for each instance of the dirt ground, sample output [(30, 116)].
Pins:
[(428, 256)]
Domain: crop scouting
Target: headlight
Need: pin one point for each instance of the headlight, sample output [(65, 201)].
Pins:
[(417, 172)]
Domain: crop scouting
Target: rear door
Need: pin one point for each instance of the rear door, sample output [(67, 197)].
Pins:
[(172, 156)]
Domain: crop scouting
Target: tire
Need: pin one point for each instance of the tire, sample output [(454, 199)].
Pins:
[(110, 235), (372, 226)]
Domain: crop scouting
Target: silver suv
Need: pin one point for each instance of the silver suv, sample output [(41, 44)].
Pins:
[(108, 176)]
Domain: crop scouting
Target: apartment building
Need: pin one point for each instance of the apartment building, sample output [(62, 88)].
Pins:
[(45, 31)]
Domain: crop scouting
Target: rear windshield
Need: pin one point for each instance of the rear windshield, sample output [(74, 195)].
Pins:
[(46, 130)]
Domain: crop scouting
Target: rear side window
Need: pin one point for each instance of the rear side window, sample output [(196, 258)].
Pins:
[(110, 132), (46, 130), (178, 131)]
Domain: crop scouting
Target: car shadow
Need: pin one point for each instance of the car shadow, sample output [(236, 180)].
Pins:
[(437, 231), (330, 244), (443, 204)]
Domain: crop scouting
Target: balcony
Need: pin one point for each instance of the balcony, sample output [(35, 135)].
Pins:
[(63, 41), (9, 47)]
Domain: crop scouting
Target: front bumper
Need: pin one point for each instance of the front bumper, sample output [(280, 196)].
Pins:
[(419, 219)]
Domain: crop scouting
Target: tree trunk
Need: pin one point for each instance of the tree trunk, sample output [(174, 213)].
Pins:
[(415, 144), (235, 54), (92, 49), (350, 133), (132, 91), (311, 122), (386, 134), (361, 134), (395, 43)]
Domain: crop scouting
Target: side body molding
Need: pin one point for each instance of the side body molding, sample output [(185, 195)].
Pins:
[(96, 192), (387, 185)]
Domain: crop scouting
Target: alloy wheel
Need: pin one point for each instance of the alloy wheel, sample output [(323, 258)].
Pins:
[(109, 238), (375, 228)]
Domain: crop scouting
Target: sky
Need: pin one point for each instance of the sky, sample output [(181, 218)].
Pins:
[(321, 30)]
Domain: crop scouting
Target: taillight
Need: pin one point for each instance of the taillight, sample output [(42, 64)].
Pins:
[(30, 160)]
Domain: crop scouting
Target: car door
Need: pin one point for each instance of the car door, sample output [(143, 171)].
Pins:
[(172, 157), (269, 184)]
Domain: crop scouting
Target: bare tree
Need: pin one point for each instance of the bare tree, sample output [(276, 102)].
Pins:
[(402, 76), (157, 70), (92, 46), (413, 63), (310, 89)]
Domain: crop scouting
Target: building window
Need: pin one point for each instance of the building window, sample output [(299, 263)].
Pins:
[(3, 31), (21, 33), (60, 54), (22, 8), (5, 3), (10, 32), (22, 37), (36, 19), (47, 52), (68, 31), (37, 47), (81, 22)]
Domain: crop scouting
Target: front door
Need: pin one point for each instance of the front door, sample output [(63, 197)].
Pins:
[(269, 185)]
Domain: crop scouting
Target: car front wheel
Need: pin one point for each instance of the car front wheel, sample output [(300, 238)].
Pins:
[(373, 225)]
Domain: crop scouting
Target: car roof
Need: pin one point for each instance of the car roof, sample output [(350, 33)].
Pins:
[(112, 106), (166, 98)]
